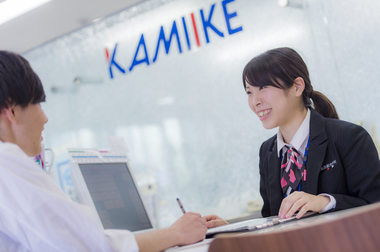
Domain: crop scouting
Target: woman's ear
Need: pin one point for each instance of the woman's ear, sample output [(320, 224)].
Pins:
[(299, 86)]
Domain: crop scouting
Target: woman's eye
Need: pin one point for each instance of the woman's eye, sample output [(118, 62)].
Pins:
[(262, 87), (248, 92)]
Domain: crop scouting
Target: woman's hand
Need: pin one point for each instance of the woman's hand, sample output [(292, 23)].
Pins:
[(302, 202), (214, 221)]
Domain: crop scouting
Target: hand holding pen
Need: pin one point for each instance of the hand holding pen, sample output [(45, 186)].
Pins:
[(191, 225), (209, 220)]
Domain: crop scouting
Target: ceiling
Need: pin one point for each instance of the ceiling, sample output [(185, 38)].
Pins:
[(54, 19)]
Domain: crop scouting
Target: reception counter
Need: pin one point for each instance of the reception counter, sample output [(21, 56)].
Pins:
[(356, 229)]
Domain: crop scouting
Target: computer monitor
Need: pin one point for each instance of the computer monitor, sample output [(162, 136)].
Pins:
[(110, 190)]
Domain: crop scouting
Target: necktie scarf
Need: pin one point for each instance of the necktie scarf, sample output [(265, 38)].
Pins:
[(291, 169)]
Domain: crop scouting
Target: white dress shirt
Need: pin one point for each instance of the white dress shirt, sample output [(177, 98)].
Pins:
[(35, 215), (299, 142)]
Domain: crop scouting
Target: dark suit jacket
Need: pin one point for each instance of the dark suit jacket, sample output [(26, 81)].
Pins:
[(354, 178)]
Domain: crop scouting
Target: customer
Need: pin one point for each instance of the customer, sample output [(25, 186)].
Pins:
[(35, 215)]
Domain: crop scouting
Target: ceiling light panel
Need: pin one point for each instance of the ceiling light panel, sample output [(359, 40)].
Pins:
[(11, 9)]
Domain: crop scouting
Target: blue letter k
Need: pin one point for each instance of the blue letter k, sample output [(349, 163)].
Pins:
[(113, 62), (207, 24)]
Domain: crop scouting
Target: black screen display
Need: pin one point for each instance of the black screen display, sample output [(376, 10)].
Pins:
[(115, 196)]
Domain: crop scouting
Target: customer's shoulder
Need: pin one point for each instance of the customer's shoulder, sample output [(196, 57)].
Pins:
[(9, 149)]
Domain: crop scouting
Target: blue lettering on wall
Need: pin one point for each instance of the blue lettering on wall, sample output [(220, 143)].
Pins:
[(228, 16), (186, 34), (161, 37), (145, 59), (207, 24), (113, 62)]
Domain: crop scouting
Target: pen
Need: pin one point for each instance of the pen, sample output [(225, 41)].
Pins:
[(181, 206)]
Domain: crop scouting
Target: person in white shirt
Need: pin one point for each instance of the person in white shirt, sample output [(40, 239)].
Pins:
[(35, 215)]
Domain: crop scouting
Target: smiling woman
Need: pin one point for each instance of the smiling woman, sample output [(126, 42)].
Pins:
[(291, 178), (274, 106), (280, 93), (282, 68)]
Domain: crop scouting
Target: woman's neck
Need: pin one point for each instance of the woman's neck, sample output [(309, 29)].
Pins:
[(290, 129)]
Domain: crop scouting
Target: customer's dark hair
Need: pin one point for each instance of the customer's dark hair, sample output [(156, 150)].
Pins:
[(19, 84), (279, 68)]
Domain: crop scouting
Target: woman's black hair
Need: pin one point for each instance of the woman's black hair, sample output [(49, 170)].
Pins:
[(279, 68), (19, 84)]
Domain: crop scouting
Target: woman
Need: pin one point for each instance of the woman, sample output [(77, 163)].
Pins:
[(315, 162)]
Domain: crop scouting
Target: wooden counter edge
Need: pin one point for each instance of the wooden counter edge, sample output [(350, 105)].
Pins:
[(357, 229)]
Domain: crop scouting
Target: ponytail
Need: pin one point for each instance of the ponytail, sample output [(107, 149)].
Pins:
[(279, 68), (323, 105)]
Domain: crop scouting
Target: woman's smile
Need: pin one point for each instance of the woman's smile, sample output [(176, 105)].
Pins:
[(264, 114)]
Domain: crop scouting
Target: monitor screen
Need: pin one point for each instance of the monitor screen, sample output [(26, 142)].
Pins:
[(115, 196)]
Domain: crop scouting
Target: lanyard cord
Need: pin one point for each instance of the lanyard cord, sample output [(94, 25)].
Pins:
[(304, 161), (306, 151)]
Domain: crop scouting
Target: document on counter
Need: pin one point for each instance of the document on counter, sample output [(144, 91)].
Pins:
[(250, 225)]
